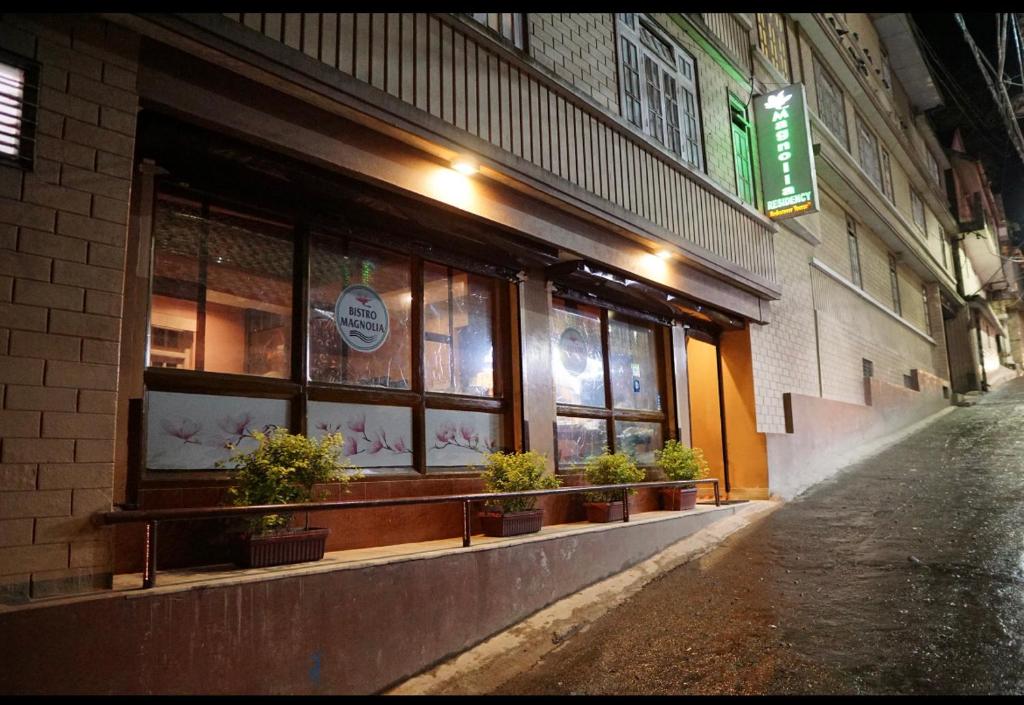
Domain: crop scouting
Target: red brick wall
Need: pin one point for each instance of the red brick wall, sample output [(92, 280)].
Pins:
[(63, 227)]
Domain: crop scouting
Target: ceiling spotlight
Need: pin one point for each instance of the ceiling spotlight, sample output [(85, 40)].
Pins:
[(465, 166)]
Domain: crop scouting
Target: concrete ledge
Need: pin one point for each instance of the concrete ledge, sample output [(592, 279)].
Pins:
[(350, 627)]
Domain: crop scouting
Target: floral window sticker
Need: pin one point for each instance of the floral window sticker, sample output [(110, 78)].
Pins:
[(195, 431), (461, 438), (377, 438)]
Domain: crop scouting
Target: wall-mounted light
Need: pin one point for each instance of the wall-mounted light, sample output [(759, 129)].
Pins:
[(465, 165), (664, 254)]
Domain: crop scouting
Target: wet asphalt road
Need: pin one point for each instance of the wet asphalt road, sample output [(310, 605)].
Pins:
[(903, 574)]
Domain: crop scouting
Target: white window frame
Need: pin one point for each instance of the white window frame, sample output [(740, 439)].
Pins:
[(822, 75), (668, 105), (867, 153), (933, 167), (917, 206), (886, 164)]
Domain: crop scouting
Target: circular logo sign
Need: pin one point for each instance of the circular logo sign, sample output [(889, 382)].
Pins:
[(573, 349), (361, 318)]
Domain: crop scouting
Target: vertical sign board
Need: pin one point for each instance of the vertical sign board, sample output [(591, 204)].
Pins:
[(784, 147)]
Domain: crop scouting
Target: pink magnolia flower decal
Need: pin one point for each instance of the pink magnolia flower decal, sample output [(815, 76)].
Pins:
[(185, 429), (448, 435), (358, 424)]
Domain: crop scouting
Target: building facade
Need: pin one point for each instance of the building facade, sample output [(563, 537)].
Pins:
[(553, 225)]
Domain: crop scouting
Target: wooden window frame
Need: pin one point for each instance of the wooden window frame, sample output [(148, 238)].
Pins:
[(609, 413), (771, 42), (737, 112), (298, 389), (867, 147), (916, 199), (494, 23), (628, 30)]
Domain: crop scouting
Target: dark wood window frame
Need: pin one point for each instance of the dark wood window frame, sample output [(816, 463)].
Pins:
[(666, 381), (299, 390)]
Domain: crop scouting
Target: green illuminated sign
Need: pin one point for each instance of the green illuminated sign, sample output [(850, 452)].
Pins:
[(784, 147)]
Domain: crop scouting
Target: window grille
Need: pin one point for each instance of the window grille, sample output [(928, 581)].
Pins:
[(771, 40), (830, 102), (508, 25)]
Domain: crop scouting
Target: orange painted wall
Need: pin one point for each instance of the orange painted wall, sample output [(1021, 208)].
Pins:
[(705, 412), (747, 449)]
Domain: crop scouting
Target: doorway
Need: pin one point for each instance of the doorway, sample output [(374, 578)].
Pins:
[(707, 423)]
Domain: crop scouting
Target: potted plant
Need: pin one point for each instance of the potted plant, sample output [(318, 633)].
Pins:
[(283, 469), (514, 472), (680, 462), (608, 469)]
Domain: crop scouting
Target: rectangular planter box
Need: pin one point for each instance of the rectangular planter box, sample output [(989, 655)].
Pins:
[(282, 548), (678, 498), (603, 512), (511, 523)]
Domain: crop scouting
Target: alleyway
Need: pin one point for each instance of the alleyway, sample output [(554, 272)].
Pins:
[(902, 575)]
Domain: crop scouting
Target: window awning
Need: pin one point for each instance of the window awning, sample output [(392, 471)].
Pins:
[(599, 284), (336, 203)]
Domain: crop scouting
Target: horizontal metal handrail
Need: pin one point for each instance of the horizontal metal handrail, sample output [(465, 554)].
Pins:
[(151, 517)]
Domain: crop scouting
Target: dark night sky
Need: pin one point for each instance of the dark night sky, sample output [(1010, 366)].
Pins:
[(975, 112)]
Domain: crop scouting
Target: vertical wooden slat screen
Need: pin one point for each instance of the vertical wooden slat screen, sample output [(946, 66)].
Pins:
[(459, 77)]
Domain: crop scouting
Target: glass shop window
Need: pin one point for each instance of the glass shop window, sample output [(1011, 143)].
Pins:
[(458, 348), (608, 383), (221, 290), (335, 264)]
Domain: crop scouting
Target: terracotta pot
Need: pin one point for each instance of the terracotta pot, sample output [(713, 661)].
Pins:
[(603, 512), (675, 499), (499, 523), (281, 547)]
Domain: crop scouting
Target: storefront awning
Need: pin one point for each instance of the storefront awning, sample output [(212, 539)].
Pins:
[(335, 202), (602, 285)]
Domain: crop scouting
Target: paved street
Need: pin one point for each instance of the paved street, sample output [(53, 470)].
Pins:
[(901, 575)]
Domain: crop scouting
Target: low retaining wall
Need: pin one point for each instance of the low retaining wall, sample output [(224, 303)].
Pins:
[(827, 435), (352, 629)]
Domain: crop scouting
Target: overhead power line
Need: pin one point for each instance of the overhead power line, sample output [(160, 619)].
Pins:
[(998, 94)]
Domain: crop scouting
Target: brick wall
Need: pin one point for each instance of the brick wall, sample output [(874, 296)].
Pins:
[(579, 47), (62, 240)]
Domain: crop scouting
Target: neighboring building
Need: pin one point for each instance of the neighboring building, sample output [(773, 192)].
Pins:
[(192, 193), (983, 351)]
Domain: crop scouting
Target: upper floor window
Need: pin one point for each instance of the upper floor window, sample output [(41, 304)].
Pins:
[(894, 285), (851, 240), (886, 72), (830, 102), (917, 209), (771, 40), (659, 89), (933, 167), (867, 153), (886, 174), (509, 25), (18, 89), (927, 313), (741, 150)]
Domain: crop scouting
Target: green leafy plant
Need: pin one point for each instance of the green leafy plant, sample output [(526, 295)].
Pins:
[(680, 462), (283, 469), (517, 472), (610, 469)]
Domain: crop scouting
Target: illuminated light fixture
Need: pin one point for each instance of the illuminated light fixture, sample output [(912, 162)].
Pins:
[(664, 254), (465, 166)]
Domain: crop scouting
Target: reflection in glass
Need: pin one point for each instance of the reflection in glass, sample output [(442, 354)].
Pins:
[(634, 368), (458, 352), (580, 439), (638, 439), (222, 290), (334, 264), (577, 354)]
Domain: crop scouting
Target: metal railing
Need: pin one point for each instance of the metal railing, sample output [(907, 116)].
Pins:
[(153, 517)]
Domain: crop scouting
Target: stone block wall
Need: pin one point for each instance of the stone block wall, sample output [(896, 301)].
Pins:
[(63, 226), (579, 47)]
